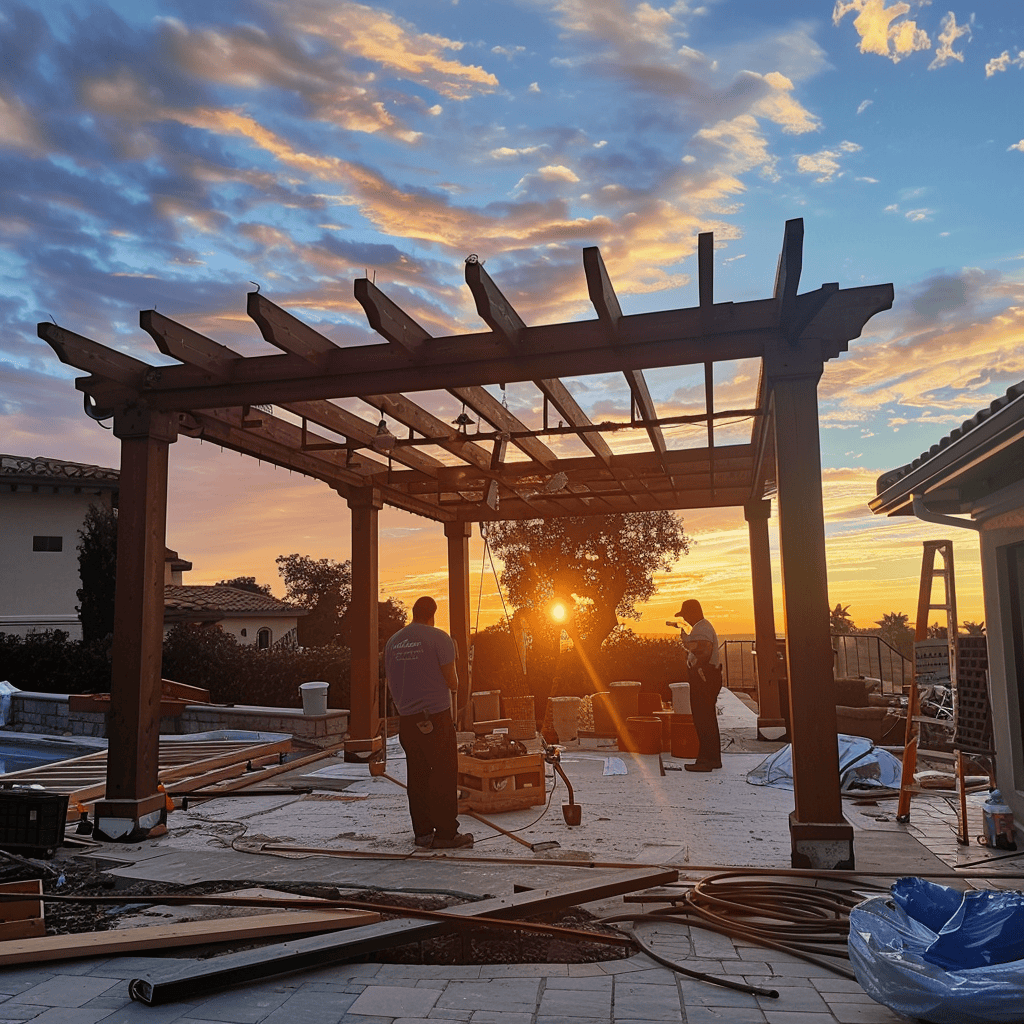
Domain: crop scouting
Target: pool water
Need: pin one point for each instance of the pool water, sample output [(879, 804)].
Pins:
[(16, 756)]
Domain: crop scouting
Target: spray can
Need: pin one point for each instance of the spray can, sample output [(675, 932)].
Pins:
[(998, 821)]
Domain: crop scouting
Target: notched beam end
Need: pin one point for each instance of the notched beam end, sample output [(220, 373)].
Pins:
[(494, 309), (188, 346), (288, 333), (389, 320), (86, 354), (600, 288)]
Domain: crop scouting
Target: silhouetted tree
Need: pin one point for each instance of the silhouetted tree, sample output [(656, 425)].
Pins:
[(324, 587), (597, 567), (973, 628), (246, 583), (894, 628), (97, 569), (840, 620)]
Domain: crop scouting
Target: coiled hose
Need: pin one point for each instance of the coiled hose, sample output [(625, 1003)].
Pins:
[(803, 920)]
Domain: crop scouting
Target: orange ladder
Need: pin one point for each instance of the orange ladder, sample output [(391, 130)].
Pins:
[(932, 550)]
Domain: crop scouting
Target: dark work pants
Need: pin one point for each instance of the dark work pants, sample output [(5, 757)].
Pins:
[(704, 707), (432, 768)]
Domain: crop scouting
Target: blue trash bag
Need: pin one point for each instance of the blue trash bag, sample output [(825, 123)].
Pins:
[(910, 967), (974, 929)]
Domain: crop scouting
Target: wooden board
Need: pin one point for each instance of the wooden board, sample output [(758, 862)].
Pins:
[(22, 919), (84, 779), (186, 933), (191, 979)]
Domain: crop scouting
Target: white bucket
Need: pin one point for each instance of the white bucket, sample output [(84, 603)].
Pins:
[(680, 698), (314, 698), (565, 718)]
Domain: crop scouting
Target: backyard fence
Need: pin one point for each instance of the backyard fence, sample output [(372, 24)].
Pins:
[(856, 655)]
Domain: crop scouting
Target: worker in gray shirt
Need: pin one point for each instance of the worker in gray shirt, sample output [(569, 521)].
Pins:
[(420, 665)]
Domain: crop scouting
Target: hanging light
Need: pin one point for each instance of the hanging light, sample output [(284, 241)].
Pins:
[(383, 440)]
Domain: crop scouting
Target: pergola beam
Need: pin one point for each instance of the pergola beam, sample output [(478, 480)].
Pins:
[(669, 338), (487, 407), (390, 321), (281, 329)]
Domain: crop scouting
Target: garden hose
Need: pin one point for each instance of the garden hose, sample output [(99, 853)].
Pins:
[(805, 921)]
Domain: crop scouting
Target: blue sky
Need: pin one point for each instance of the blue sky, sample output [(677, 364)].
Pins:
[(168, 153)]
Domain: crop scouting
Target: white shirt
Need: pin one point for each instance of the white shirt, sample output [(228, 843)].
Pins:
[(703, 630)]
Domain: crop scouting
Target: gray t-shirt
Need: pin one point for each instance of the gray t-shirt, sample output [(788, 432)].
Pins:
[(413, 659)]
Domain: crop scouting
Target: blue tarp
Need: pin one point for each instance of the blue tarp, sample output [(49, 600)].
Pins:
[(940, 955)]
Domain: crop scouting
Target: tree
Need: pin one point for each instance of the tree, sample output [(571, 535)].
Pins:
[(596, 568), (840, 620), (973, 628), (391, 617), (97, 569), (324, 587), (247, 583), (894, 629)]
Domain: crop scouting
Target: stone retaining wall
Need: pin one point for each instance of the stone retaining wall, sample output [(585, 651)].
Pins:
[(47, 713)]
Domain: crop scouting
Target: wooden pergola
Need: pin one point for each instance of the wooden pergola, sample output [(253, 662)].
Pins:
[(279, 408)]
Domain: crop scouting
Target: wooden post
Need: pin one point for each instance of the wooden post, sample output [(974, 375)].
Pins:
[(821, 837), (133, 804), (771, 725), (364, 673), (458, 535)]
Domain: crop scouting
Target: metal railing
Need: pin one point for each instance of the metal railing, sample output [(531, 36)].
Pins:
[(856, 655), (872, 657)]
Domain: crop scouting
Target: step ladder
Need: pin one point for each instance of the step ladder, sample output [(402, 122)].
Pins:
[(933, 549)]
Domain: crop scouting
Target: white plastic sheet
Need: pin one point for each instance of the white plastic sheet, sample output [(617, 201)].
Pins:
[(862, 766)]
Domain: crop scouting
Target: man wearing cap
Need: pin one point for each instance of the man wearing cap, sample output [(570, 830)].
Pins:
[(705, 674), (420, 665)]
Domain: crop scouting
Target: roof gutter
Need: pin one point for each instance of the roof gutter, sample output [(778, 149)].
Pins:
[(936, 517)]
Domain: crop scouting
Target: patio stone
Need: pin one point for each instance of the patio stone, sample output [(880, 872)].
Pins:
[(393, 1001), (64, 990)]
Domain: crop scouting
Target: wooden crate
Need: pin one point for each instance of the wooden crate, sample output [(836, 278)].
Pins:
[(22, 919), (501, 784)]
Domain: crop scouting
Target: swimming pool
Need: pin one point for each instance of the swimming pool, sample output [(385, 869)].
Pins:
[(19, 751)]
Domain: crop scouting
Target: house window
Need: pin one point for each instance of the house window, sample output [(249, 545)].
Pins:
[(245, 632), (47, 543), (263, 639)]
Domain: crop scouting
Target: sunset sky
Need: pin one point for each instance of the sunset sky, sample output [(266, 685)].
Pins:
[(166, 153)]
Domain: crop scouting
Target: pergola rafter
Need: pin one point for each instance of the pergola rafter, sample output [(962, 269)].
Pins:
[(282, 408)]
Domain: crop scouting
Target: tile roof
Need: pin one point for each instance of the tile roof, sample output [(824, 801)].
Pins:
[(56, 470), (225, 601), (1012, 394)]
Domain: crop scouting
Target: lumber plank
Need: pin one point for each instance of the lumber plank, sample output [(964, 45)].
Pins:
[(183, 933), (187, 980), (254, 778)]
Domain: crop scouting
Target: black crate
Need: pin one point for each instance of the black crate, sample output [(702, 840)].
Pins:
[(32, 822)]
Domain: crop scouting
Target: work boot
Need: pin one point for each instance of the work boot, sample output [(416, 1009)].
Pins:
[(457, 841), (426, 840), (701, 766)]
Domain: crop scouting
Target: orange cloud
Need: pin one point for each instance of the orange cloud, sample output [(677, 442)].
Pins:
[(879, 30)]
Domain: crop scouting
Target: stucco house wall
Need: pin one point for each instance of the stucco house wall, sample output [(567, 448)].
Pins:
[(43, 503), (973, 479), (1002, 537)]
